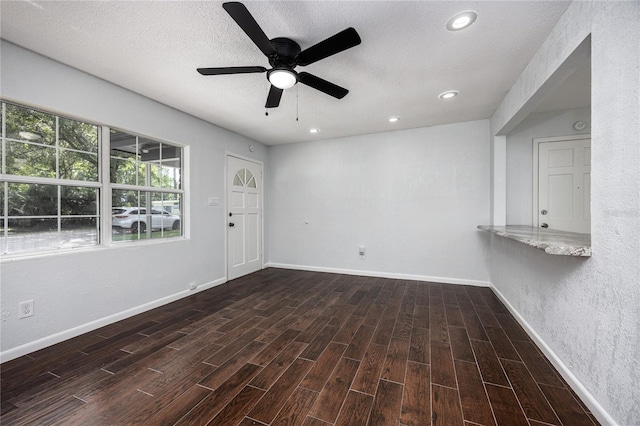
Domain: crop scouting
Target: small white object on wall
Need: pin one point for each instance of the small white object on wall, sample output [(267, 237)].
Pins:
[(25, 309), (579, 125)]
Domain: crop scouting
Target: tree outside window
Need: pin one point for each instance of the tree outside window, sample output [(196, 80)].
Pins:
[(50, 187)]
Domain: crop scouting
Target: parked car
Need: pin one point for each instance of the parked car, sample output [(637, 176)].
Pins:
[(135, 219)]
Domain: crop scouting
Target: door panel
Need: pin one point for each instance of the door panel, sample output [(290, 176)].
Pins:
[(237, 254), (237, 199), (253, 246), (244, 216), (560, 206), (587, 156), (586, 200), (252, 201), (560, 158)]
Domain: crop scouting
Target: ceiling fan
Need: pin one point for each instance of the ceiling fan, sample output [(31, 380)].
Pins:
[(284, 55)]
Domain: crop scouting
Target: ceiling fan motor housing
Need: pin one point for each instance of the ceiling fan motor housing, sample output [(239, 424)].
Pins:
[(287, 51)]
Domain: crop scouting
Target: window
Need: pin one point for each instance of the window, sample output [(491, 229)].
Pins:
[(146, 182), (51, 189), (244, 178)]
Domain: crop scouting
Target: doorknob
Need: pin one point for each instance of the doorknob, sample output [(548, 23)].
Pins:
[(544, 225), (231, 224)]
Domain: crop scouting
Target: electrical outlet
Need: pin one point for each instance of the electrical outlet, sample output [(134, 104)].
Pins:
[(192, 286), (25, 309), (361, 251)]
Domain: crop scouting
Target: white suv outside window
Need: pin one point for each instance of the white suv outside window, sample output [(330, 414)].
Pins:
[(136, 219)]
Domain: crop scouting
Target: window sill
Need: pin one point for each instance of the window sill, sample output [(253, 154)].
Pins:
[(13, 257), (551, 241)]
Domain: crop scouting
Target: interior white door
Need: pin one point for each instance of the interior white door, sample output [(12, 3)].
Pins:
[(244, 217), (564, 185)]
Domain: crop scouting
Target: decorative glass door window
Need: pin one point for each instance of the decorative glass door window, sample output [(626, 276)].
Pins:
[(244, 177)]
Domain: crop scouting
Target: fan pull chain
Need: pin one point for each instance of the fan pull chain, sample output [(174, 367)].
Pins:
[(266, 111), (297, 101)]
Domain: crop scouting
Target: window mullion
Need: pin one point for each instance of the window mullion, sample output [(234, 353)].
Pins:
[(59, 211), (4, 137), (48, 181), (138, 164), (104, 144), (5, 218), (57, 147), (5, 185), (126, 187), (147, 174), (59, 215)]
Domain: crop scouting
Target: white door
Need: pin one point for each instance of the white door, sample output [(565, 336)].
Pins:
[(564, 185), (244, 217)]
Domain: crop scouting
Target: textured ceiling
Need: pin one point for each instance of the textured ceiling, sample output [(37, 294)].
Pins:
[(407, 57)]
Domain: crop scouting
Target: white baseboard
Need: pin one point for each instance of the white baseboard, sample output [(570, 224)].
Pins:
[(597, 410), (36, 345), (393, 275)]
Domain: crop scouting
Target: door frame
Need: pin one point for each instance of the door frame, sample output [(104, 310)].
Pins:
[(536, 153), (226, 207)]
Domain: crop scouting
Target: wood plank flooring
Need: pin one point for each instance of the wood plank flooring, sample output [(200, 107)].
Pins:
[(282, 347)]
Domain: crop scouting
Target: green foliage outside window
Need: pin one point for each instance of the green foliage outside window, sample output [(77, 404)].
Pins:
[(50, 190), (32, 144)]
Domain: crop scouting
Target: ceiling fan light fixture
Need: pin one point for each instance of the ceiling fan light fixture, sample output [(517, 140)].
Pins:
[(448, 94), (282, 78), (462, 20)]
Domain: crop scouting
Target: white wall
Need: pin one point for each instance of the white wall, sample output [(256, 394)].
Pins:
[(412, 197), (77, 291), (586, 310), (520, 156)]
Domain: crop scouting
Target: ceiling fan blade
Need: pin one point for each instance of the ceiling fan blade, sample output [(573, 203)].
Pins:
[(230, 70), (273, 100), (243, 18), (322, 85), (334, 44)]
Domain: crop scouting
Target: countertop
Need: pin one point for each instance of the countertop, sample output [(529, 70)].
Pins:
[(551, 241)]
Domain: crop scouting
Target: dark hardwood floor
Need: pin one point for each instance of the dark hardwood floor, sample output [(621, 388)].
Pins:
[(282, 347)]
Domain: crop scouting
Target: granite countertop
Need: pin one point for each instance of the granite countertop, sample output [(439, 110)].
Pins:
[(551, 241)]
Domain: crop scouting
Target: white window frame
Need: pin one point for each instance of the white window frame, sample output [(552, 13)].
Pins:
[(7, 179), (143, 188), (103, 185)]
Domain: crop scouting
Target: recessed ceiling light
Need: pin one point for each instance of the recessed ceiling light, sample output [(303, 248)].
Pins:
[(314, 130), (394, 119), (462, 20), (448, 94)]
